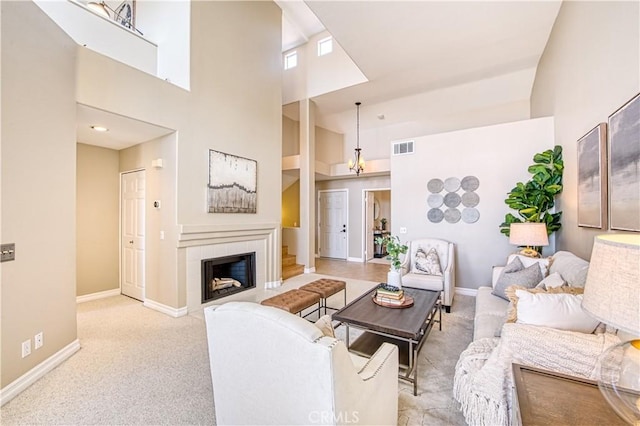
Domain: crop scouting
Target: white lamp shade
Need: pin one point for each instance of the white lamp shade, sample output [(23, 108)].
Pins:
[(612, 290), (530, 234)]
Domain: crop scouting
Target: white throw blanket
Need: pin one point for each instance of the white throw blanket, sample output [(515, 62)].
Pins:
[(483, 379)]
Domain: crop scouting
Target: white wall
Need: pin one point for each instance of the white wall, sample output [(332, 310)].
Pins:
[(102, 34), (97, 209), (38, 167), (316, 75), (499, 157), (589, 69), (501, 99), (168, 24)]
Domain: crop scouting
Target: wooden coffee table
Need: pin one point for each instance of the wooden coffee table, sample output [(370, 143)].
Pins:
[(407, 328)]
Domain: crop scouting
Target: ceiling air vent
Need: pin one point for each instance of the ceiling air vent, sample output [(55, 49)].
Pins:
[(401, 148)]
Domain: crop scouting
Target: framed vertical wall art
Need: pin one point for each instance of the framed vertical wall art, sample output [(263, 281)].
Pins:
[(592, 178), (624, 167), (232, 183)]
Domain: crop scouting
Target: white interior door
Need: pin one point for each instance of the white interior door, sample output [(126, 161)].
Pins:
[(368, 225), (132, 238), (333, 224)]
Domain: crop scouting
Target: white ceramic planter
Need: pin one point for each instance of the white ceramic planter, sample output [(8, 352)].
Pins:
[(394, 278)]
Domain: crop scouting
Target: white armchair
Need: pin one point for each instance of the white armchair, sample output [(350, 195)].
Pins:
[(272, 367), (446, 283)]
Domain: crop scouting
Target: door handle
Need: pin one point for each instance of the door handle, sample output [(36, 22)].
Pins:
[(131, 242)]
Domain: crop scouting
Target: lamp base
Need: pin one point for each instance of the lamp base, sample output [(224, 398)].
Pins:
[(619, 379), (529, 252)]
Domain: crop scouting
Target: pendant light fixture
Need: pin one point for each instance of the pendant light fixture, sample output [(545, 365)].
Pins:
[(357, 164)]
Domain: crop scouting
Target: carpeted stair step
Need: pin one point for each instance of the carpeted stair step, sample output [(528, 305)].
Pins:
[(288, 260), (292, 271)]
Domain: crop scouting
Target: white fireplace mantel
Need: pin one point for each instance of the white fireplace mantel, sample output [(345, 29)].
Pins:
[(198, 242)]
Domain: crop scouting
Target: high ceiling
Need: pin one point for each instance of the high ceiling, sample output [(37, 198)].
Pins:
[(402, 47), (409, 47)]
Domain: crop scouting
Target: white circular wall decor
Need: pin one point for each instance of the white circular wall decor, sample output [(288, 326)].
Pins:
[(435, 185), (446, 196), (435, 200), (452, 199), (470, 199), (452, 184), (452, 215), (470, 215), (470, 183), (435, 215)]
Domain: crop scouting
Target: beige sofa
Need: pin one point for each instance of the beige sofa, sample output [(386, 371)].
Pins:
[(491, 310), (483, 383)]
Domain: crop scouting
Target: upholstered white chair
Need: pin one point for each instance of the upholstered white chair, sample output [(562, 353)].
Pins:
[(414, 277), (271, 367)]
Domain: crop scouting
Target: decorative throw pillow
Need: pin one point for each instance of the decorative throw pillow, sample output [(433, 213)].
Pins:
[(427, 263), (510, 292), (527, 277), (325, 325), (560, 310), (543, 262), (552, 281)]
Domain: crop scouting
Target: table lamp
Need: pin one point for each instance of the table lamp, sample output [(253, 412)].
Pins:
[(529, 235), (612, 295)]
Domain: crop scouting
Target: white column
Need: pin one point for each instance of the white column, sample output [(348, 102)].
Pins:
[(307, 184)]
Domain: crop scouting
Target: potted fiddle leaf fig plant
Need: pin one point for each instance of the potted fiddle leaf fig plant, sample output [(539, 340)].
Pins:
[(534, 200), (394, 249)]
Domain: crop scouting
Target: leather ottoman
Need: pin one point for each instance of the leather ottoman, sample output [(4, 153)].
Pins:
[(294, 301), (325, 288)]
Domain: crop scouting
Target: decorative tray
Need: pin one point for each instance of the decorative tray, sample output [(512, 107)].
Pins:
[(408, 301)]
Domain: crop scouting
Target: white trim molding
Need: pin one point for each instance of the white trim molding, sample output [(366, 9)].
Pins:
[(355, 259), (466, 291), (98, 295), (310, 270), (14, 388), (168, 310)]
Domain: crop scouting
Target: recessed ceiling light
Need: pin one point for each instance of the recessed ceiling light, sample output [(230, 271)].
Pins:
[(99, 129)]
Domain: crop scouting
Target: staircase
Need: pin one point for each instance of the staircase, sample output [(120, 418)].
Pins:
[(289, 266)]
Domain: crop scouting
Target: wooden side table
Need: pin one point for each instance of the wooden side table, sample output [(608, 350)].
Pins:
[(543, 397)]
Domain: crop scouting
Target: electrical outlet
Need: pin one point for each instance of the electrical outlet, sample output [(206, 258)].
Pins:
[(403, 230), (26, 348), (38, 340)]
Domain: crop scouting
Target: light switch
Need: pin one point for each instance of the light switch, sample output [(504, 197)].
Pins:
[(8, 252)]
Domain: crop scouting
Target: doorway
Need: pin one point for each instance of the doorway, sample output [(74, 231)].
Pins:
[(376, 213), (332, 223), (132, 236)]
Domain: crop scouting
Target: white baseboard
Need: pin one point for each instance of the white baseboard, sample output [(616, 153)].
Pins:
[(14, 388), (355, 259), (168, 310), (467, 291), (272, 284), (98, 295), (309, 270)]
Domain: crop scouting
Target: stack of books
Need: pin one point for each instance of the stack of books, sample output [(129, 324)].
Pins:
[(389, 295)]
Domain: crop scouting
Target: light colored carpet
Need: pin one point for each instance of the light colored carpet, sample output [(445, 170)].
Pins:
[(138, 366)]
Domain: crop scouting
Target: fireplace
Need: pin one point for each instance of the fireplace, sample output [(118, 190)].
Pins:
[(224, 276)]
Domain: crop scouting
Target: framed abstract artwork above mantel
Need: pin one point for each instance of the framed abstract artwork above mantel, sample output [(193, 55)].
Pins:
[(592, 178), (624, 167), (232, 183)]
